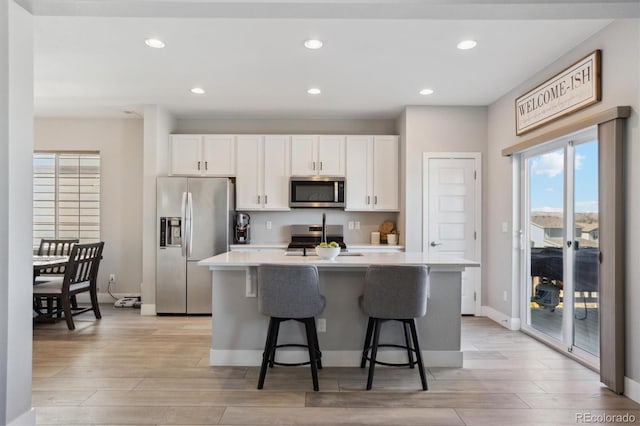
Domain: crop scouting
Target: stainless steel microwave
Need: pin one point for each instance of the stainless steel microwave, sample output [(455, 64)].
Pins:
[(317, 191)]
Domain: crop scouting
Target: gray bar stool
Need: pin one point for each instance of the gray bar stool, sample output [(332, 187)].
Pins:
[(287, 292), (394, 293)]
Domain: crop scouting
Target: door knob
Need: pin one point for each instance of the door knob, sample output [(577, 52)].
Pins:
[(433, 244)]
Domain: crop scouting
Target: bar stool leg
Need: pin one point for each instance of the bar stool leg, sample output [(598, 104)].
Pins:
[(267, 352), (374, 352), (315, 339), (405, 326), (367, 343), (309, 325), (272, 355), (416, 346)]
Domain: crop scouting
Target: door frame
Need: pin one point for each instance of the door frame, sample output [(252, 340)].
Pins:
[(477, 157), (567, 144)]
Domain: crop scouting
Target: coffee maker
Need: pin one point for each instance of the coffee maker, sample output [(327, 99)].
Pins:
[(241, 229)]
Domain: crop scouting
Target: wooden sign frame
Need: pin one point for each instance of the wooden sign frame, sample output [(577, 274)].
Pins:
[(572, 89)]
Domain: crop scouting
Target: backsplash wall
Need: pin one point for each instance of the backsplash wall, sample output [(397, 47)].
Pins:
[(281, 221)]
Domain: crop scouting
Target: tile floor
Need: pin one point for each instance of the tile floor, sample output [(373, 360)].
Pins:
[(126, 369)]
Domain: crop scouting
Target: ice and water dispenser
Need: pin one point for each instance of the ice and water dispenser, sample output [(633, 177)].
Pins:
[(170, 232)]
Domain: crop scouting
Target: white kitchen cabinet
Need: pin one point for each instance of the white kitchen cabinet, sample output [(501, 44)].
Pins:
[(372, 173), (203, 155), (262, 178), (219, 155), (317, 155)]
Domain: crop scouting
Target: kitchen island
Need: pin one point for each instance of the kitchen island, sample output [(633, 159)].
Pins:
[(239, 330)]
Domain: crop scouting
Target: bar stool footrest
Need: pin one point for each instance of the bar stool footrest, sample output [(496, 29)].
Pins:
[(293, 364), (391, 364)]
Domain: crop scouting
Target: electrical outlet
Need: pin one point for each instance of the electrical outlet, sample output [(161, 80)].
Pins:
[(112, 278), (268, 224), (322, 325), (357, 224), (350, 224), (504, 296), (505, 227)]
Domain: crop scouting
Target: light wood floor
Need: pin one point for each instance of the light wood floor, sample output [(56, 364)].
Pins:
[(126, 369)]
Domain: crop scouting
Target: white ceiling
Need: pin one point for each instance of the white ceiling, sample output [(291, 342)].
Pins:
[(96, 64)]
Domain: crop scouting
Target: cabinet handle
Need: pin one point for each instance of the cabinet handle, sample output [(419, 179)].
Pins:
[(314, 165), (321, 165), (206, 165), (198, 165), (265, 199), (375, 199), (368, 200), (258, 199)]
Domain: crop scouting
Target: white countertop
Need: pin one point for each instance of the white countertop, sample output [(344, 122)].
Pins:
[(283, 246), (254, 258)]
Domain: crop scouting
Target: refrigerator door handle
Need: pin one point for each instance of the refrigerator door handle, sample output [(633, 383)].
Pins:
[(190, 223), (183, 224)]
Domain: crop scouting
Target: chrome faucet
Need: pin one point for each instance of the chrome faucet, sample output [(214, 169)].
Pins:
[(324, 228)]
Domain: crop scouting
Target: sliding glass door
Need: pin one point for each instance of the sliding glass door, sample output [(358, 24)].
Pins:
[(560, 242)]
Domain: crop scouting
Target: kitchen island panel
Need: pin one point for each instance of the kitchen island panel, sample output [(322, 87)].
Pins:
[(239, 330)]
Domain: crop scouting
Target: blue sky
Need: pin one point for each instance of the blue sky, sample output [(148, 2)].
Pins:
[(547, 180)]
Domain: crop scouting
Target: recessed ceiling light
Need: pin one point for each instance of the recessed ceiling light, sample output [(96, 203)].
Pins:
[(314, 91), (467, 44), (155, 43), (426, 92), (197, 91), (313, 44)]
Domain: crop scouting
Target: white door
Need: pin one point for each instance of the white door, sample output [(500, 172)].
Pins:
[(358, 178), (185, 155), (452, 212), (219, 155), (303, 155), (331, 155), (385, 173), (276, 172), (249, 173)]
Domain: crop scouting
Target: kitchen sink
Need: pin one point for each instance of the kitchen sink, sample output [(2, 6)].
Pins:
[(313, 253)]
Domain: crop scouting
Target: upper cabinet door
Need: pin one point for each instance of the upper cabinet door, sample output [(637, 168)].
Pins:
[(218, 155), (331, 156), (358, 178), (385, 173), (276, 173), (249, 182), (304, 160), (185, 155)]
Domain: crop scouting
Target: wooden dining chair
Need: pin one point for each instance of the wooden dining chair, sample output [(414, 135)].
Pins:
[(51, 247), (80, 276)]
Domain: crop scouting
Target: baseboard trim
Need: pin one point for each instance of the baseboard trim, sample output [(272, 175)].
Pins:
[(104, 297), (632, 389), (218, 357), (27, 418), (148, 309), (502, 319)]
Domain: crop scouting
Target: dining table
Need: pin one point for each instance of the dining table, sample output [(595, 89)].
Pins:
[(42, 264)]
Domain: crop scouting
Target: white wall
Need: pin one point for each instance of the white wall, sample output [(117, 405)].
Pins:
[(433, 129), (280, 221), (16, 146), (620, 44), (120, 144), (158, 125)]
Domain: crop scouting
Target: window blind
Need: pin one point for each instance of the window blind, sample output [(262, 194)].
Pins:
[(66, 196)]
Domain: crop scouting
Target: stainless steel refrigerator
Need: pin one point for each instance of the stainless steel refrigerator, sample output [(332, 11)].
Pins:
[(193, 222)]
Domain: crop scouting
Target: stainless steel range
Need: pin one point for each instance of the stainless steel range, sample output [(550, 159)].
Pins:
[(309, 236)]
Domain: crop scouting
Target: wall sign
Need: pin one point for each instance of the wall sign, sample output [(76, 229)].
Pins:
[(571, 90)]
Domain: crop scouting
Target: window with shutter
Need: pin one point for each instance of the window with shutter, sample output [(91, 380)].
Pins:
[(66, 196)]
